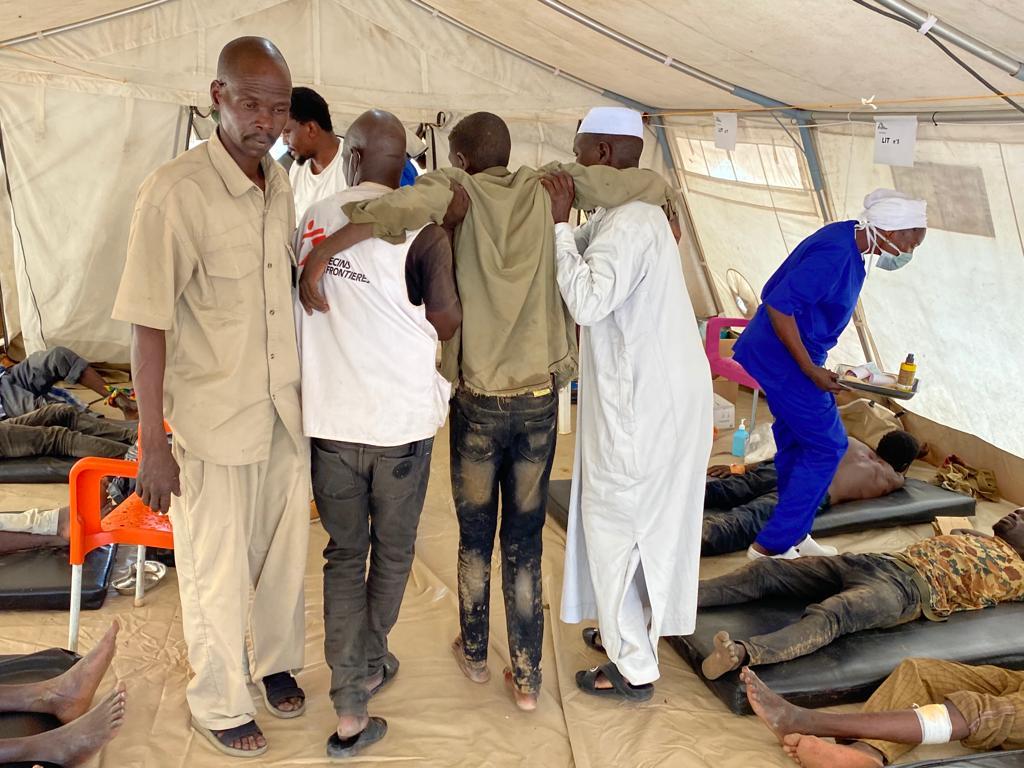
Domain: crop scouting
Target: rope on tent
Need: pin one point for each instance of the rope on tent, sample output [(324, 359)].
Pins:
[(20, 52)]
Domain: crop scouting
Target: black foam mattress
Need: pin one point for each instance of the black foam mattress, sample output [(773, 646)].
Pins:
[(40, 579), (917, 502), (1014, 759), (853, 666), (38, 469), (31, 668)]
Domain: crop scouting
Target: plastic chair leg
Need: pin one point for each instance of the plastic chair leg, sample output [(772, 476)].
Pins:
[(753, 411), (140, 577), (76, 607), (565, 410)]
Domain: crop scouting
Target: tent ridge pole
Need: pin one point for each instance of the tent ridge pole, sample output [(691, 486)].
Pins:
[(956, 36), (85, 23)]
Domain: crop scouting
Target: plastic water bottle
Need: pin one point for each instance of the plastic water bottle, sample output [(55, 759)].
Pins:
[(739, 439)]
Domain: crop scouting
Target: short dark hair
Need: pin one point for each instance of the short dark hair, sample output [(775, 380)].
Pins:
[(309, 106), (484, 139), (899, 449)]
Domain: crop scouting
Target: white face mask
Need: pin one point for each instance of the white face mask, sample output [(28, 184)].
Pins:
[(884, 260)]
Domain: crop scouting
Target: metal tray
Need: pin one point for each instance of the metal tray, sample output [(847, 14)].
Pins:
[(893, 392)]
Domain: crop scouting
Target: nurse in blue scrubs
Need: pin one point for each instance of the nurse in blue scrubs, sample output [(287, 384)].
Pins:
[(806, 305)]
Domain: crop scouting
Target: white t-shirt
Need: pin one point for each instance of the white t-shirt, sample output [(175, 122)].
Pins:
[(368, 365), (309, 187)]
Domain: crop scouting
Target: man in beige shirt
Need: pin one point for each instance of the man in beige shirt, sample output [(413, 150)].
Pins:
[(206, 287)]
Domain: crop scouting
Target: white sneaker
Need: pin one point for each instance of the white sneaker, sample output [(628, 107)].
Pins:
[(810, 548), (789, 554)]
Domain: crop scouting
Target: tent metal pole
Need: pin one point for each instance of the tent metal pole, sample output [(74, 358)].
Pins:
[(957, 37), (965, 117), (84, 23)]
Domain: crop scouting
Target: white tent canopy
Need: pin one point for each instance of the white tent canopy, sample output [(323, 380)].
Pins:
[(94, 94)]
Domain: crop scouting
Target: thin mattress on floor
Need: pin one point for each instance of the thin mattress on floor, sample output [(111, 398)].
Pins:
[(852, 667)]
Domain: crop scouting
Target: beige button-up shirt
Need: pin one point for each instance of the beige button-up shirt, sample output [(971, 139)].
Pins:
[(209, 262)]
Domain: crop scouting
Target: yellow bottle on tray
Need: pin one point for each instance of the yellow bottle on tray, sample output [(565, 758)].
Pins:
[(908, 372)]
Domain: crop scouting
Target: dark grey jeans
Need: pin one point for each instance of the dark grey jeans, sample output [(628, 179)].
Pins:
[(369, 499), (502, 445), (848, 593), (63, 430), (23, 386)]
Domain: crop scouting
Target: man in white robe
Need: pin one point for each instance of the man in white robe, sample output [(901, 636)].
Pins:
[(644, 427)]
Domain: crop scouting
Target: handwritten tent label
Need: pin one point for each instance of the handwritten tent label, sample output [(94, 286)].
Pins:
[(895, 138), (725, 130)]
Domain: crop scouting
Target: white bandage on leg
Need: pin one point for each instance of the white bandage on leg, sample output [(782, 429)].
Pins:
[(936, 726)]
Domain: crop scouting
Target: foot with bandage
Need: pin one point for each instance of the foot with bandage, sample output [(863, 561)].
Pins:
[(924, 701)]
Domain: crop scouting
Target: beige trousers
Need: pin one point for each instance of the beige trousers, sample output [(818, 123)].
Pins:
[(241, 531), (42, 522)]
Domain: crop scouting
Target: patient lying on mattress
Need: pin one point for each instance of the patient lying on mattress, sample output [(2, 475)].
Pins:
[(936, 577), (924, 701), (737, 505)]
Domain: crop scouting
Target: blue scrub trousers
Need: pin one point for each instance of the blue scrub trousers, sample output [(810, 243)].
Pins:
[(811, 441)]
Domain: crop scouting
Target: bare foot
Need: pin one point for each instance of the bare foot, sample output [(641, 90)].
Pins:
[(812, 752), (374, 680), (727, 656), (527, 702), (351, 725), (68, 697), (475, 671), (74, 743), (779, 715)]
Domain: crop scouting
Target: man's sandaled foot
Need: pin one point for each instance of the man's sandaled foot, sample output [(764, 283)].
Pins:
[(474, 670), (727, 656), (338, 748), (592, 639), (812, 752), (606, 681), (283, 696), (245, 740), (68, 697), (527, 702), (75, 743), (779, 715)]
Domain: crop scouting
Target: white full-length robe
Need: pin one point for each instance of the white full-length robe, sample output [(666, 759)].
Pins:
[(644, 434)]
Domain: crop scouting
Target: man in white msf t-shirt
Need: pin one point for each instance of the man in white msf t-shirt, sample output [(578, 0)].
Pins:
[(309, 134), (372, 402)]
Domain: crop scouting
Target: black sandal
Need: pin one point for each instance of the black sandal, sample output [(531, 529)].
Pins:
[(592, 639), (374, 731), (390, 667), (586, 681), (277, 689)]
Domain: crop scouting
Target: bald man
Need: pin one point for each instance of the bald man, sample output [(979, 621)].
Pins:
[(207, 289), (373, 400)]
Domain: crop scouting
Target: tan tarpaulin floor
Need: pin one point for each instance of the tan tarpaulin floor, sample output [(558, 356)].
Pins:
[(436, 716)]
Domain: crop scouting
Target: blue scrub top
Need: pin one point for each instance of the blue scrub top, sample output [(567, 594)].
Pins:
[(818, 285)]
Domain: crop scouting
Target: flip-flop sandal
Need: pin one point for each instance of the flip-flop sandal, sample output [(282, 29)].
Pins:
[(278, 688), (338, 748), (592, 639), (390, 667), (221, 740), (586, 681)]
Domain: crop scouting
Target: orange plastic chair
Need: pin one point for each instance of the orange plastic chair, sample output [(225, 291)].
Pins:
[(130, 522)]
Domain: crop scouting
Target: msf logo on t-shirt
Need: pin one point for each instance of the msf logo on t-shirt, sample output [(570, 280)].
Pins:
[(337, 266)]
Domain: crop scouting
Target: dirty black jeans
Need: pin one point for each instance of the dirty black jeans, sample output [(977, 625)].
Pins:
[(849, 593), (63, 430), (736, 508), (502, 445), (369, 499), (23, 386)]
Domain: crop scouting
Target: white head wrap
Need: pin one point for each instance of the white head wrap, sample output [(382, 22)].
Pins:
[(613, 121), (891, 210)]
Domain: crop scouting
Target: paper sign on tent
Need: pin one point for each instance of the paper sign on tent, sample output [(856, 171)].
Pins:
[(725, 130), (895, 139)]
